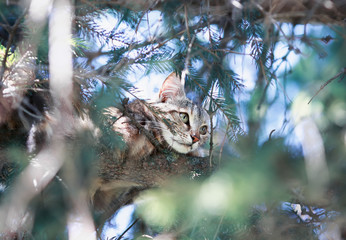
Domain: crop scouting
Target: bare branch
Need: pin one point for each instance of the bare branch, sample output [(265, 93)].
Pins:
[(43, 168), (127, 229), (340, 75), (12, 32)]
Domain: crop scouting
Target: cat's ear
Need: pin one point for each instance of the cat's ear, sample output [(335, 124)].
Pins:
[(172, 88)]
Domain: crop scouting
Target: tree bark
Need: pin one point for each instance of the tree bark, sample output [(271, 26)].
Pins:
[(293, 11)]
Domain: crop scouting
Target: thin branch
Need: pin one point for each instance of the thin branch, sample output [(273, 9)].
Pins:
[(218, 227), (5, 26), (263, 96), (229, 51), (266, 87), (208, 22), (187, 60), (123, 60), (127, 229), (271, 133), (341, 74), (211, 144), (9, 43), (5, 20), (285, 12), (215, 102), (186, 22), (223, 142)]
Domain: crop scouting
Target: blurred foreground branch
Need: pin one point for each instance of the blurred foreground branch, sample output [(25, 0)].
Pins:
[(298, 11), (14, 214)]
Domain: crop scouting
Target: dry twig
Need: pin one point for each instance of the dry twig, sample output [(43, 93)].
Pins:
[(340, 75)]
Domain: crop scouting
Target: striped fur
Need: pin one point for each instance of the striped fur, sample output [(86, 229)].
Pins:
[(163, 119)]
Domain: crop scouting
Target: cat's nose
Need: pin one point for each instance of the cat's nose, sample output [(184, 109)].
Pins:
[(194, 138)]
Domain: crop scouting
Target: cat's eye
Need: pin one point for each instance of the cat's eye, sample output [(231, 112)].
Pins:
[(203, 130), (184, 117)]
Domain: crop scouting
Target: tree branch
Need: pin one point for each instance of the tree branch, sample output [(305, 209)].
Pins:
[(340, 75), (12, 30), (300, 11)]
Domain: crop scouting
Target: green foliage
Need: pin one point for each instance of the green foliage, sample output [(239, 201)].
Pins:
[(50, 224), (11, 57), (255, 174), (235, 201)]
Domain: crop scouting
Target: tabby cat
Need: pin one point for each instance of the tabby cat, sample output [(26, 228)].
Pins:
[(174, 122)]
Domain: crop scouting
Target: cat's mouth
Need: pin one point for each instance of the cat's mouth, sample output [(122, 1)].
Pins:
[(179, 145), (184, 141), (185, 144)]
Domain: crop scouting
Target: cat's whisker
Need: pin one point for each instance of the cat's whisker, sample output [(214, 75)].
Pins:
[(171, 120)]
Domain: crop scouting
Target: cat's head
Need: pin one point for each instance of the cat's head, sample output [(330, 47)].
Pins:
[(185, 125)]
